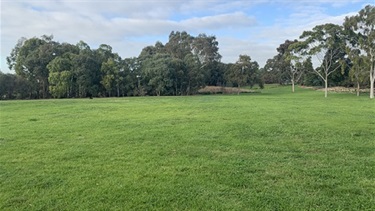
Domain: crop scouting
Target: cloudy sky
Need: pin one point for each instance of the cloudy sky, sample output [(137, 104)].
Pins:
[(252, 27)]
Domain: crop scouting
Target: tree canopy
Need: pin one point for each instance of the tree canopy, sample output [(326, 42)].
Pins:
[(181, 66)]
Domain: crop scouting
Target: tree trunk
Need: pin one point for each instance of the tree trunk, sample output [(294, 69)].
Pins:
[(357, 88), (118, 91), (292, 85), (372, 76), (326, 87), (238, 89), (188, 88), (43, 89), (372, 80)]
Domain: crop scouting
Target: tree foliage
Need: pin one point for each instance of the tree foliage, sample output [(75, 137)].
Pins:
[(325, 43), (361, 31), (244, 72)]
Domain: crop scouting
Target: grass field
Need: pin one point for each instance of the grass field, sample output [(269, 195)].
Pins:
[(261, 151)]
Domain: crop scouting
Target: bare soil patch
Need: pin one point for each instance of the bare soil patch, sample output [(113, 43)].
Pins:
[(223, 90), (336, 89)]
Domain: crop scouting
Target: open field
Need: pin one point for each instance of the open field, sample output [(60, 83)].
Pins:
[(259, 151)]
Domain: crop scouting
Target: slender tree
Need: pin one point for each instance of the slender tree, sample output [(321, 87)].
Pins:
[(325, 43), (362, 27), (290, 62), (359, 65)]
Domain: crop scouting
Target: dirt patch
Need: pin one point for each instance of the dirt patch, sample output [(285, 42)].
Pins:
[(336, 89), (223, 90)]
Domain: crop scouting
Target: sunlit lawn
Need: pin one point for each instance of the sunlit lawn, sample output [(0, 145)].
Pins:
[(262, 151)]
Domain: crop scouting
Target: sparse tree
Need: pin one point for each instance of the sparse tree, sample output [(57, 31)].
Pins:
[(362, 27), (325, 43)]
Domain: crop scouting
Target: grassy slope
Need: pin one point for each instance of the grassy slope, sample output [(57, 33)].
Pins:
[(274, 150)]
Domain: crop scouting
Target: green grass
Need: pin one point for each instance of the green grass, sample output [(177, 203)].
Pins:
[(263, 151)]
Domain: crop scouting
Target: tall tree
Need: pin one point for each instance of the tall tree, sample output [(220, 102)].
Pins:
[(325, 43), (131, 73), (290, 62), (273, 71), (244, 72), (112, 77), (156, 74), (195, 74), (178, 75), (362, 27), (30, 59), (108, 69), (206, 48), (61, 75), (296, 62), (179, 44), (359, 65), (87, 69)]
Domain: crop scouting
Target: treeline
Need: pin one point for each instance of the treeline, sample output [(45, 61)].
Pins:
[(48, 69), (344, 55)]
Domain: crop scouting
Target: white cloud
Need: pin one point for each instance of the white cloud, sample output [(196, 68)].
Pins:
[(231, 48), (227, 21), (128, 26)]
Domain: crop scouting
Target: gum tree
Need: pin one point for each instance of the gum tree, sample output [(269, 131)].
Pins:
[(325, 43), (362, 35), (244, 72)]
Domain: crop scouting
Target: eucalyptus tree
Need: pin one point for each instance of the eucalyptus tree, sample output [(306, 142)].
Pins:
[(244, 72), (361, 29), (131, 73), (195, 74), (110, 71), (215, 74), (87, 70), (298, 64), (104, 52), (156, 72), (145, 62), (273, 72), (179, 44), (30, 58), (296, 71), (290, 62), (112, 76), (359, 65), (178, 76), (61, 75), (206, 48), (326, 43)]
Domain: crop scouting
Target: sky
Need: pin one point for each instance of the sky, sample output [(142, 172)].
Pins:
[(252, 27)]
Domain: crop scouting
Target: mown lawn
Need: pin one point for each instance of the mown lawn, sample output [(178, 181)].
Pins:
[(263, 151)]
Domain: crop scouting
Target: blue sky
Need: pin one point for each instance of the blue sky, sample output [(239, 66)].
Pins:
[(252, 27)]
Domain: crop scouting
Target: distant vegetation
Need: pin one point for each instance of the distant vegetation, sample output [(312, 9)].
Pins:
[(47, 69)]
